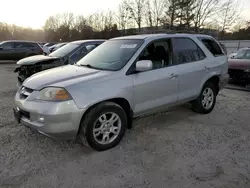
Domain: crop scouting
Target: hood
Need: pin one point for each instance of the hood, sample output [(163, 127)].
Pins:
[(62, 76), (35, 59), (240, 64)]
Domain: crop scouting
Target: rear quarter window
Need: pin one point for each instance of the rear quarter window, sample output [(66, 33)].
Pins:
[(212, 46), (24, 45)]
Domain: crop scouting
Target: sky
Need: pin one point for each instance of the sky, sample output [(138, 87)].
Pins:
[(33, 13)]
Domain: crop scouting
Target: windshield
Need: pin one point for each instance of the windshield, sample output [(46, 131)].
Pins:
[(65, 50), (111, 55), (243, 54)]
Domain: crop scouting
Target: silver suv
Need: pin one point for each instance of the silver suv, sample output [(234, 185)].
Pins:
[(127, 77)]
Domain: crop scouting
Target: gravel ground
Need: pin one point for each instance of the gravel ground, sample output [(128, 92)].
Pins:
[(177, 148)]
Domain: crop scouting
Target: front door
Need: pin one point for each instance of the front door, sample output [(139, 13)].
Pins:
[(157, 88), (22, 49)]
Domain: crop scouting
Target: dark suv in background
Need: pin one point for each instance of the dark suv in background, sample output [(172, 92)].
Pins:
[(16, 50)]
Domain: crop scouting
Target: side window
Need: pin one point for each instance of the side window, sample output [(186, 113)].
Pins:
[(7, 45), (91, 47), (212, 46), (23, 45), (159, 53), (79, 54), (186, 50)]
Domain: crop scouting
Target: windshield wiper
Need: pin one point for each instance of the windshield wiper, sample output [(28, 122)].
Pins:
[(90, 66), (87, 65)]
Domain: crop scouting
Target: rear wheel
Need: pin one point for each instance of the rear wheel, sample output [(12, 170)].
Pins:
[(104, 126), (206, 101)]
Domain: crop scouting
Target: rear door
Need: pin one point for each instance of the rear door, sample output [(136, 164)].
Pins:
[(6, 51), (218, 61), (190, 60), (22, 50)]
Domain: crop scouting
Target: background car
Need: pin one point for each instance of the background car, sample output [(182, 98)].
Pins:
[(239, 66), (16, 50), (46, 48), (41, 43), (56, 47), (68, 54)]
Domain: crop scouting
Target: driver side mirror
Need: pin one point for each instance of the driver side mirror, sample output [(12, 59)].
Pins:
[(144, 65)]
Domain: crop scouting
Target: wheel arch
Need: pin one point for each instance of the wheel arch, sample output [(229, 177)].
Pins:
[(215, 79), (124, 103)]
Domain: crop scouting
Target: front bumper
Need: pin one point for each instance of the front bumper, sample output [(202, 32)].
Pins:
[(59, 120), (223, 81)]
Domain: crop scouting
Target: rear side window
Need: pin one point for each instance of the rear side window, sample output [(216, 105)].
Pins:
[(23, 45), (90, 47), (7, 45), (212, 46), (186, 50)]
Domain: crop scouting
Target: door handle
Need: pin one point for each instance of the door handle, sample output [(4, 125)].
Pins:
[(206, 68), (172, 76)]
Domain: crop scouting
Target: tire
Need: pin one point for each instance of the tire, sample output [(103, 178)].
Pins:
[(198, 105), (91, 121)]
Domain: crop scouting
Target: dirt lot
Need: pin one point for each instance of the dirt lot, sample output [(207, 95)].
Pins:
[(174, 149)]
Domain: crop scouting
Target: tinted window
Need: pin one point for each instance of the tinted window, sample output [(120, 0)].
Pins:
[(159, 53), (186, 50), (90, 47), (212, 46), (7, 45), (79, 54), (65, 50), (112, 54), (23, 45)]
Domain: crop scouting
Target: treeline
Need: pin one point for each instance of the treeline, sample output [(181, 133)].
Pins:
[(8, 32), (157, 15)]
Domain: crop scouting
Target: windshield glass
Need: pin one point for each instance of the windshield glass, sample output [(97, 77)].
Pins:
[(111, 55), (242, 54), (65, 50)]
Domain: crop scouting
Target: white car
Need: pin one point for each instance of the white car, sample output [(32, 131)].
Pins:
[(46, 50)]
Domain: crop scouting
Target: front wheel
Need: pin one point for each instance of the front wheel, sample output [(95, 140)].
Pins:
[(205, 103), (104, 126)]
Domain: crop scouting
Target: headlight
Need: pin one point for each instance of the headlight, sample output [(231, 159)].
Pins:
[(247, 70), (53, 94)]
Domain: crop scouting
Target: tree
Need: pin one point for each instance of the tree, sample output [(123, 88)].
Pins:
[(123, 16), (172, 12), (185, 12), (204, 10), (154, 12), (229, 13), (137, 11)]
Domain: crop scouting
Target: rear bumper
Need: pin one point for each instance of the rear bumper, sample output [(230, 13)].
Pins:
[(223, 81)]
